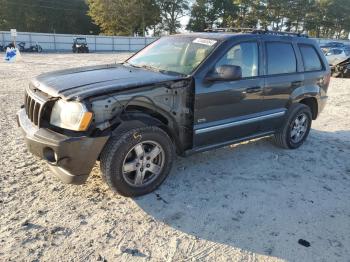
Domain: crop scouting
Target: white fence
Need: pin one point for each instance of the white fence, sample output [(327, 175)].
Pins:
[(64, 42)]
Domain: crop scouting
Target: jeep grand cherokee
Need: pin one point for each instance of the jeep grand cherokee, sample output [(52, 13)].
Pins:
[(182, 94)]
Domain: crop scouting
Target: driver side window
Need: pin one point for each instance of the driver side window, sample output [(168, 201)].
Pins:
[(245, 55)]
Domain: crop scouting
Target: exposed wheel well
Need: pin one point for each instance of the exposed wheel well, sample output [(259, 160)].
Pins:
[(147, 111), (163, 122), (311, 102)]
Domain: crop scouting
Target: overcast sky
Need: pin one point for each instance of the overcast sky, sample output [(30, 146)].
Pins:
[(184, 22)]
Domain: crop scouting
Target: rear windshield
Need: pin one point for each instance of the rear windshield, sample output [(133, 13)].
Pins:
[(80, 40)]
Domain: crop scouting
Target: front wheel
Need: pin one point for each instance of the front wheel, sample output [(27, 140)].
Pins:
[(137, 162), (296, 128)]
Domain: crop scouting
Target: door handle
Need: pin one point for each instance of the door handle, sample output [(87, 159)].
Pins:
[(297, 83), (252, 90)]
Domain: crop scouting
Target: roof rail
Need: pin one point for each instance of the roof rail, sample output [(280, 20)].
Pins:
[(253, 31), (269, 32), (230, 29)]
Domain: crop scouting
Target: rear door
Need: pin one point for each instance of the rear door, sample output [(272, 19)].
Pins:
[(315, 69), (282, 76), (228, 110)]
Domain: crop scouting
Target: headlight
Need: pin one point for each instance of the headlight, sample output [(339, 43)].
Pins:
[(70, 115)]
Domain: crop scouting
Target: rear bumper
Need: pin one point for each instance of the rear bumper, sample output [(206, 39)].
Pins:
[(71, 159)]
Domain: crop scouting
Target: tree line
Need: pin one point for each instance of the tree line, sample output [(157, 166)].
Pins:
[(319, 18), (47, 16)]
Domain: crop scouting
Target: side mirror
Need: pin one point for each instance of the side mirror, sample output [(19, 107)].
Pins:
[(225, 73)]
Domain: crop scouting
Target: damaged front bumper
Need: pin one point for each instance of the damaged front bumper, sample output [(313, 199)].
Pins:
[(341, 69), (71, 159)]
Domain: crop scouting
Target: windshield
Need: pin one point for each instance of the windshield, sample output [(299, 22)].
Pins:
[(80, 40), (180, 55)]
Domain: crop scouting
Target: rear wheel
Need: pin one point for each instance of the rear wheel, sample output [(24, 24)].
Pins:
[(296, 128), (137, 162)]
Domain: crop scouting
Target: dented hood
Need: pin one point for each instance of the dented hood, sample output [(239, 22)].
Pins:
[(80, 83), (340, 61)]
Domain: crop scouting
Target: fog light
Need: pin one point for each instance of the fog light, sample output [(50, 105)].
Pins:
[(50, 155)]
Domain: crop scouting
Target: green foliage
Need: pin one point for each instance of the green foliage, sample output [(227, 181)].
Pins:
[(210, 13), (170, 13), (321, 18), (124, 17), (64, 16)]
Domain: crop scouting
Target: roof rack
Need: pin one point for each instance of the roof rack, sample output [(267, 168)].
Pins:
[(230, 30), (253, 31), (269, 32)]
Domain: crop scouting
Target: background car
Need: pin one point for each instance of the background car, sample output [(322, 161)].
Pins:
[(337, 55), (80, 45), (36, 48), (326, 47)]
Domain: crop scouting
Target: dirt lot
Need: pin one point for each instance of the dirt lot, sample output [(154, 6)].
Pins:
[(249, 202)]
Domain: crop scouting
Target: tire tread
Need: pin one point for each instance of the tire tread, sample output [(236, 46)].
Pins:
[(115, 143), (280, 138)]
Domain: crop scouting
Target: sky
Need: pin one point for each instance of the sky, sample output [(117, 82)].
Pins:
[(184, 21)]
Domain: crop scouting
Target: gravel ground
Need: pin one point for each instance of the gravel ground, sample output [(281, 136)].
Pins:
[(249, 202)]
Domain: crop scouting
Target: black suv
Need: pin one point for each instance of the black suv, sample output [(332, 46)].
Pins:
[(182, 94)]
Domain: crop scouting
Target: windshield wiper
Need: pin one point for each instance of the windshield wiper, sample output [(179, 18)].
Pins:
[(170, 72), (155, 69), (129, 64)]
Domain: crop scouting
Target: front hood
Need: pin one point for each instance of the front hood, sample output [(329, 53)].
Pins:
[(80, 83), (341, 61), (335, 60)]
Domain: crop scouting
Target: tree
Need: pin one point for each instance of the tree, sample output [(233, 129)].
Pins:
[(204, 14), (210, 13), (225, 10), (199, 16), (124, 17), (46, 16), (170, 13)]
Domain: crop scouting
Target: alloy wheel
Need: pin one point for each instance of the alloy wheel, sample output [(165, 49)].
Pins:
[(143, 163)]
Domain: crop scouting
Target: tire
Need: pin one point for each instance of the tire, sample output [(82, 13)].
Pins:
[(285, 137), (121, 150)]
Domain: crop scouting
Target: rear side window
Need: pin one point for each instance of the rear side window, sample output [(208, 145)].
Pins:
[(311, 59), (280, 58)]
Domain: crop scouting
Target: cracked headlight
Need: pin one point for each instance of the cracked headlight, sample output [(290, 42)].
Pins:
[(70, 115)]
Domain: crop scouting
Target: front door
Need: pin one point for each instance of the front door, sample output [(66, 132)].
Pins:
[(229, 110)]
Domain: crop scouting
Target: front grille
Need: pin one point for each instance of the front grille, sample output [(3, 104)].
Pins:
[(34, 105)]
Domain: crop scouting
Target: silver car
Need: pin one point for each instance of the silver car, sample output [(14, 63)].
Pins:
[(336, 55)]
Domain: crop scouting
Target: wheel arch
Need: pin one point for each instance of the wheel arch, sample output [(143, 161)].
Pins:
[(309, 96), (135, 116), (312, 103)]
